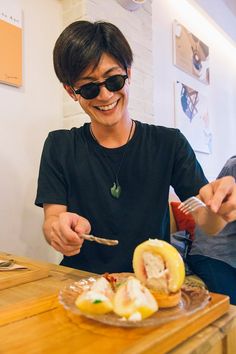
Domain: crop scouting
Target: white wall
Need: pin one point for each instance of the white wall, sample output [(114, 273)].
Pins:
[(27, 115), (30, 112), (222, 13), (137, 28), (222, 90)]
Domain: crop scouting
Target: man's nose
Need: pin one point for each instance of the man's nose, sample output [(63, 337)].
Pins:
[(104, 93)]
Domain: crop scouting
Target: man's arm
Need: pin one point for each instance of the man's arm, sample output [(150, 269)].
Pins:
[(220, 197), (62, 229)]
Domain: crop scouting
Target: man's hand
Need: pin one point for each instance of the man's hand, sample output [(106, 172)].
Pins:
[(220, 197), (62, 229)]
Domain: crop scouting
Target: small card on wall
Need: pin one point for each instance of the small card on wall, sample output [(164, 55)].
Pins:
[(10, 43)]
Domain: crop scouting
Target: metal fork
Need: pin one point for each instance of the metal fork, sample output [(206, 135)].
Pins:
[(103, 241), (191, 204), (6, 263)]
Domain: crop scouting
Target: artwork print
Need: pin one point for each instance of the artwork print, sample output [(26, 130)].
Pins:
[(192, 117), (10, 43), (190, 53)]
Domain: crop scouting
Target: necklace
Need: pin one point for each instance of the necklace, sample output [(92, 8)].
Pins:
[(115, 190)]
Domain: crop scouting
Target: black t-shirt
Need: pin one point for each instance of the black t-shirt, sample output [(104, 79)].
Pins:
[(77, 172)]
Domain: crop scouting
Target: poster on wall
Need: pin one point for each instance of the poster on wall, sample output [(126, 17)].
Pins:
[(192, 117), (190, 53), (10, 43)]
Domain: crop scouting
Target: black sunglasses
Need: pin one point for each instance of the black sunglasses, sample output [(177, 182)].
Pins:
[(91, 90)]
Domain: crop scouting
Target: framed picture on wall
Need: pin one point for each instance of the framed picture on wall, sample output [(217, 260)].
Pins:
[(192, 117), (190, 53), (10, 43)]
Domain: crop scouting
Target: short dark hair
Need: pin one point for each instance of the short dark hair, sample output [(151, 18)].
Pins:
[(82, 43)]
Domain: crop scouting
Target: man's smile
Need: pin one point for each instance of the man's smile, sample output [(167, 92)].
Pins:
[(107, 107)]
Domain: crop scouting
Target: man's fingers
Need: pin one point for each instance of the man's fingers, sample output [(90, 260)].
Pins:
[(67, 250), (206, 193), (223, 189), (229, 217), (83, 226), (216, 193), (67, 234), (65, 239), (228, 209)]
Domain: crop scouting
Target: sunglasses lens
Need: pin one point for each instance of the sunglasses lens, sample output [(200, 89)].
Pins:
[(89, 91), (115, 83)]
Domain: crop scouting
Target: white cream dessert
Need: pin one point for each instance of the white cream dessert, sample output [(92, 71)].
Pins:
[(159, 266), (97, 299), (159, 275), (130, 300), (134, 301)]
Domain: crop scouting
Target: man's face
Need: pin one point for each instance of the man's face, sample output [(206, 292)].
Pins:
[(108, 107)]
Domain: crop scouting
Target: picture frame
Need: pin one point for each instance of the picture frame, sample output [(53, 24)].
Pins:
[(190, 54), (192, 117), (10, 43)]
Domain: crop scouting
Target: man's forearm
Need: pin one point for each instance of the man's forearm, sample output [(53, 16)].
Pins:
[(47, 227)]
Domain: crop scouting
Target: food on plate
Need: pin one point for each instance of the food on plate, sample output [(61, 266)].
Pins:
[(124, 295), (158, 276), (96, 299), (160, 267), (134, 301), (116, 279)]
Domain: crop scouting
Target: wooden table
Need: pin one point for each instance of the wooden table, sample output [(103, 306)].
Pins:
[(32, 321)]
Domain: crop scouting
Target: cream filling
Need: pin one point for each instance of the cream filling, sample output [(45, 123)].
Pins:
[(136, 316), (102, 286), (94, 295), (135, 293), (157, 274), (100, 290)]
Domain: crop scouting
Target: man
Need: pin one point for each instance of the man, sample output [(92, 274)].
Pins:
[(111, 177), (214, 258)]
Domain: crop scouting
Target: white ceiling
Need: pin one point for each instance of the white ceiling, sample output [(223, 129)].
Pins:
[(222, 13), (231, 4)]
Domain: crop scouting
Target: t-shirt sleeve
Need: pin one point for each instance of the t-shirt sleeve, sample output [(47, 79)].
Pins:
[(187, 176), (51, 182), (229, 168)]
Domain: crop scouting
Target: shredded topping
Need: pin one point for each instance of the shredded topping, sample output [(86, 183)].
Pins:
[(111, 279)]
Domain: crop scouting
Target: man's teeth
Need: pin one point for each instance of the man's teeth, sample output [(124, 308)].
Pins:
[(106, 108)]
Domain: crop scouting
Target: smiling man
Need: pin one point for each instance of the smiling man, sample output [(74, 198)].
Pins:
[(111, 177)]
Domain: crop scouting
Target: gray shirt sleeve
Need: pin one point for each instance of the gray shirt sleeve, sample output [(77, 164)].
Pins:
[(223, 245), (229, 168)]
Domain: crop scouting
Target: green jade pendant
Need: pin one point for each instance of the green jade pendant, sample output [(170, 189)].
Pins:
[(116, 190)]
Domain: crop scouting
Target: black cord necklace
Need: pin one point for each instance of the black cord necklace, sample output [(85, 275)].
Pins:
[(115, 190)]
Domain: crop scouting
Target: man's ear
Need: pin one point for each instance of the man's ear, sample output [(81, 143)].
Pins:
[(70, 92), (129, 74)]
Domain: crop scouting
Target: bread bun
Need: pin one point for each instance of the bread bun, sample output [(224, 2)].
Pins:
[(159, 266), (167, 300)]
